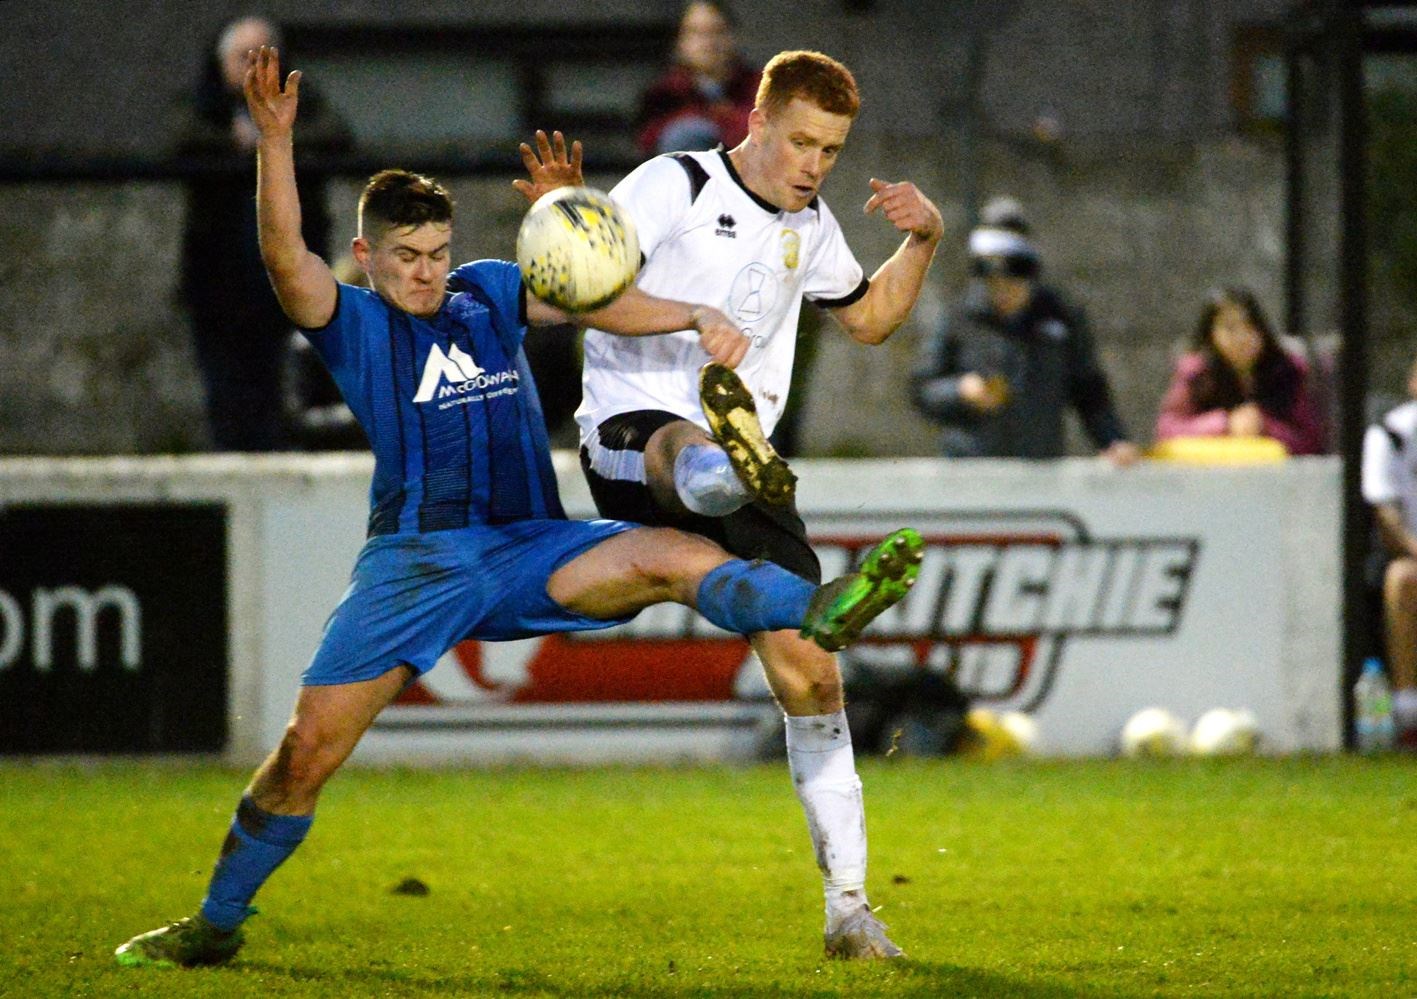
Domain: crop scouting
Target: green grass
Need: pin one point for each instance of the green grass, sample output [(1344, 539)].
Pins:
[(1243, 878)]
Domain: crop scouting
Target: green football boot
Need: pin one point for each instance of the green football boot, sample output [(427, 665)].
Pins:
[(841, 609), (733, 418), (186, 943)]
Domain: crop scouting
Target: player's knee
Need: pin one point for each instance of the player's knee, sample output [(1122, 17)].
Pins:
[(662, 449)]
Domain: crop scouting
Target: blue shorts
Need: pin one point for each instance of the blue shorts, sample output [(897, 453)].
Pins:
[(414, 596)]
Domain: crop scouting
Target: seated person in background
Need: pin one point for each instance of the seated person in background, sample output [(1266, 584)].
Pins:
[(1390, 486), (1239, 381), (704, 98), (1012, 356)]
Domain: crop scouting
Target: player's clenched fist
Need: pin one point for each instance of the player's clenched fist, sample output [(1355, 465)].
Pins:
[(906, 208), (719, 338)]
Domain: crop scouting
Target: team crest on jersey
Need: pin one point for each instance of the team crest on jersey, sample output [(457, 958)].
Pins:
[(754, 293), (791, 248)]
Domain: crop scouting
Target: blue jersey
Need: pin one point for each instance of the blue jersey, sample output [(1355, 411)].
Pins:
[(447, 402)]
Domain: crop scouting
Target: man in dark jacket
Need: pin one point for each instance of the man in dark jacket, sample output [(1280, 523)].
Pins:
[(1011, 356), (238, 329)]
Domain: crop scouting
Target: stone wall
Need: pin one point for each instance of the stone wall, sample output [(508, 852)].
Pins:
[(97, 357)]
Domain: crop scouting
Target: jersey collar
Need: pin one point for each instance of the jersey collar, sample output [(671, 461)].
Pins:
[(762, 203)]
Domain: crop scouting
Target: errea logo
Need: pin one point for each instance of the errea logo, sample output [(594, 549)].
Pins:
[(726, 223)]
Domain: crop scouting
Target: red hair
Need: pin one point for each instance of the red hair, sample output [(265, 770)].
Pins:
[(812, 76)]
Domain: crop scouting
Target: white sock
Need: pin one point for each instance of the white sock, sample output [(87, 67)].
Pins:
[(706, 482), (1404, 707), (824, 774)]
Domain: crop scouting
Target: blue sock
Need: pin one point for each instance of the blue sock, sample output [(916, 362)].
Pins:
[(746, 597), (256, 845)]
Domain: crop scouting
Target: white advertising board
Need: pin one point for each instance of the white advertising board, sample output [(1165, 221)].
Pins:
[(1071, 590)]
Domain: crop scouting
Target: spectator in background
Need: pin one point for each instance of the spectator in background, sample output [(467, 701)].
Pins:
[(238, 329), (316, 415), (1012, 356), (1390, 486), (704, 98), (1239, 381)]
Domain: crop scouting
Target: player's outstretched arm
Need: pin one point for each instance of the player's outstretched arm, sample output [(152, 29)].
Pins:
[(635, 313), (896, 284), (302, 281), (549, 165)]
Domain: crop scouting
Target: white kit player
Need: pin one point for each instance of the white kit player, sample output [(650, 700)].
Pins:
[(1390, 487), (671, 437)]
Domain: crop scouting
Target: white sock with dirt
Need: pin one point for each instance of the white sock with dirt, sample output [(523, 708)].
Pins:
[(824, 774), (706, 483)]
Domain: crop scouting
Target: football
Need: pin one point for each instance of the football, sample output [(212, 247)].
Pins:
[(1153, 732), (1023, 728), (1223, 732), (577, 251), (985, 737)]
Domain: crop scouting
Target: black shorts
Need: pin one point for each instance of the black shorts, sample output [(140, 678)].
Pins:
[(772, 533)]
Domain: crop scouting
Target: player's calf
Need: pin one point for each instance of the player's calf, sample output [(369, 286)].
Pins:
[(733, 417)]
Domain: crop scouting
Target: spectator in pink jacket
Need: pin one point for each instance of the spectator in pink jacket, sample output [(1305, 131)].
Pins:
[(1239, 381)]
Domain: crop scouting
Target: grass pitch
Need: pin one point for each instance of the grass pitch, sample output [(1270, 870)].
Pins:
[(1031, 879)]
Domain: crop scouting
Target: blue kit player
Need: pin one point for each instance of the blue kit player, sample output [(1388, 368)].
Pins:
[(467, 538)]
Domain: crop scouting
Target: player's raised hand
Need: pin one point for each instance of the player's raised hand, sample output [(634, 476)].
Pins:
[(719, 338), (549, 165), (272, 109), (906, 208)]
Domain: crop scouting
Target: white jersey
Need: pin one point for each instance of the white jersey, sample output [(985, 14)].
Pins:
[(1390, 462), (708, 240)]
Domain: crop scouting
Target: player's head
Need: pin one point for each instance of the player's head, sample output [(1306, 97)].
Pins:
[(236, 39), (811, 76), (1002, 255), (1233, 329), (405, 227), (804, 110)]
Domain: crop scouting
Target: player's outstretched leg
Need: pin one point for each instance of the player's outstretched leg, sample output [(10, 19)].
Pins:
[(733, 418), (186, 943), (328, 721), (757, 596), (842, 608)]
